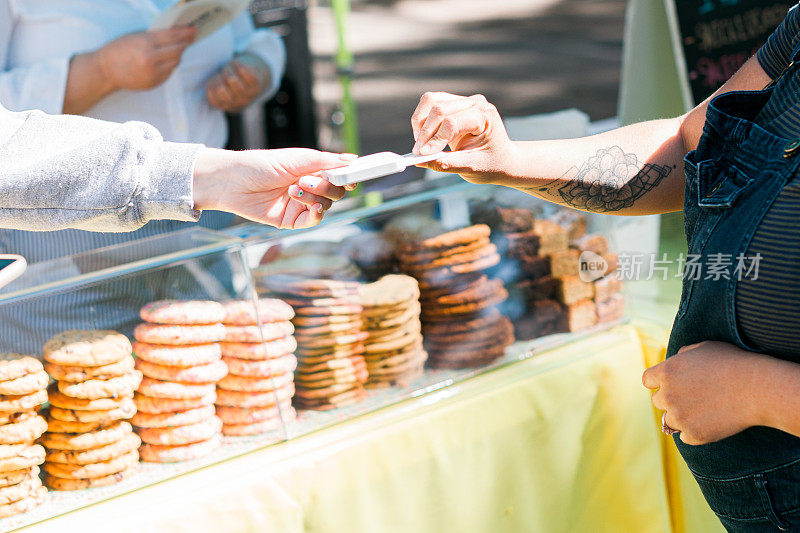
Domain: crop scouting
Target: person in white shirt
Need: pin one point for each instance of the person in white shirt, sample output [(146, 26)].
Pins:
[(95, 58)]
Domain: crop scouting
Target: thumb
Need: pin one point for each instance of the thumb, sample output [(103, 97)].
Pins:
[(302, 162)]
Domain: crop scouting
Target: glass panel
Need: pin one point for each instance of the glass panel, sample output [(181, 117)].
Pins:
[(472, 302), (114, 304)]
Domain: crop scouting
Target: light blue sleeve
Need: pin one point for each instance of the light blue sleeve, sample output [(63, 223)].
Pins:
[(264, 43), (41, 85)]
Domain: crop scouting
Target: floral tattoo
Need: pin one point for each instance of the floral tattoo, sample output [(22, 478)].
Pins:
[(610, 181)]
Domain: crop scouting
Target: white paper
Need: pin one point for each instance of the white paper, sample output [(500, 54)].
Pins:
[(205, 15)]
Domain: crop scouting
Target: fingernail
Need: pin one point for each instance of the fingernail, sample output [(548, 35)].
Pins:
[(318, 208), (415, 150), (347, 157), (426, 150)]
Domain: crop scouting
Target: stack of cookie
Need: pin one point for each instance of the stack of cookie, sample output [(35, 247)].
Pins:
[(330, 342), (88, 441), (178, 351), (393, 348), (461, 323), (23, 384), (260, 363)]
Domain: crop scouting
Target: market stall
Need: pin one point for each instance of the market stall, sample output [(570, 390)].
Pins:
[(553, 429)]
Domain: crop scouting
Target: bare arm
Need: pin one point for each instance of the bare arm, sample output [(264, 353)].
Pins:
[(635, 170)]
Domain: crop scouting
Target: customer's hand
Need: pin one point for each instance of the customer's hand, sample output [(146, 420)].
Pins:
[(468, 124), (275, 187), (143, 60), (238, 83), (708, 391)]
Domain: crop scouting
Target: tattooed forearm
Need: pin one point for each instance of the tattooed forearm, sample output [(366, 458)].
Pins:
[(610, 181)]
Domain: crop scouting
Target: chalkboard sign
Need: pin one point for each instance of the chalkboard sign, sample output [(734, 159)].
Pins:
[(713, 38)]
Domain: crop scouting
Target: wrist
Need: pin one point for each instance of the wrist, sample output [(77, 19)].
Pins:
[(768, 385), (102, 68), (511, 167), (209, 178)]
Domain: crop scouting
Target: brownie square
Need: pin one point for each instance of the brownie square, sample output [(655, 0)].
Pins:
[(565, 263), (571, 289), (581, 315)]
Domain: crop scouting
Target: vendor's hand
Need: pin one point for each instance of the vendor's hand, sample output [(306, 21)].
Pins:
[(238, 83), (464, 123), (275, 187), (143, 60), (707, 391)]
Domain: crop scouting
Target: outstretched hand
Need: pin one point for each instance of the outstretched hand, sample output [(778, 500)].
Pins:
[(274, 187), (472, 128)]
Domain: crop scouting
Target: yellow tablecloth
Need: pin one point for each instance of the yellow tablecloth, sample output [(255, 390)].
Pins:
[(566, 441)]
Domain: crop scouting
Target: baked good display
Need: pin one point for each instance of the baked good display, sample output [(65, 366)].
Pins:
[(373, 252), (461, 324), (331, 368), (544, 266), (391, 316), (88, 437), (23, 384), (260, 366), (179, 354)]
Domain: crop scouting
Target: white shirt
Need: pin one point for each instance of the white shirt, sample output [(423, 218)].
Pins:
[(38, 38)]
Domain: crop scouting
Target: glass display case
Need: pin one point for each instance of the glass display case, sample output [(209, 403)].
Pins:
[(436, 283)]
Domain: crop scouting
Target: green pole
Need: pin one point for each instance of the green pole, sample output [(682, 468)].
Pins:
[(344, 71)]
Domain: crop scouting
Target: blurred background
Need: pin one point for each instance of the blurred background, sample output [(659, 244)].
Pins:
[(525, 56)]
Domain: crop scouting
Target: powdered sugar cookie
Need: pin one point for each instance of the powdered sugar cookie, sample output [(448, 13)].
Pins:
[(179, 335), (27, 384), (87, 348), (242, 312), (92, 470), (181, 434), (14, 477), (266, 333), (261, 369), (180, 418), (154, 453), (128, 443), (148, 404), (14, 493), (27, 429), (13, 366), (95, 389), (25, 504), (257, 350), (14, 403), (167, 389), (183, 312), (240, 415), (77, 374), (125, 410), (245, 384), (32, 455), (59, 399), (86, 441), (209, 373), (253, 399), (188, 355), (10, 450), (59, 483)]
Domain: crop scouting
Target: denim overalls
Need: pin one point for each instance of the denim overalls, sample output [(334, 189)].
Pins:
[(752, 479)]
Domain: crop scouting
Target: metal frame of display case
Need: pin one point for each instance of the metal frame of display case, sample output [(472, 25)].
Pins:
[(169, 250)]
